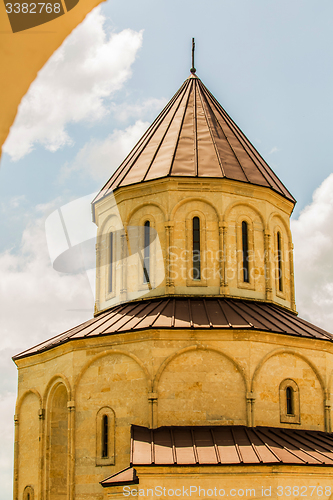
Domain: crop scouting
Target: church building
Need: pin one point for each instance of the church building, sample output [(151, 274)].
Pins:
[(195, 377)]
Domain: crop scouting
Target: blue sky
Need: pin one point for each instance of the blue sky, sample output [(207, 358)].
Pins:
[(268, 63)]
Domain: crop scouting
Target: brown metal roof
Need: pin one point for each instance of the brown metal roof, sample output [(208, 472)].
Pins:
[(194, 137), (184, 313), (229, 445), (125, 476)]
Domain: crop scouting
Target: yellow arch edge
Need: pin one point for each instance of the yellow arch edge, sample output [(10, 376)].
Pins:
[(195, 348), (24, 395), (276, 352), (109, 353)]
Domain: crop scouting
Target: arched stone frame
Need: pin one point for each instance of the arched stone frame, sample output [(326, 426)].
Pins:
[(143, 205), (229, 223), (17, 438), (170, 232), (134, 220), (57, 382), (189, 250), (28, 493), (169, 359), (320, 379), (239, 252), (295, 417), (110, 459), (278, 292), (152, 266), (287, 236), (118, 352), (112, 224)]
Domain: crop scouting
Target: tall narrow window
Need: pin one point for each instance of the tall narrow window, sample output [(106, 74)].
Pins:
[(196, 249), (105, 436), (279, 249), (146, 252), (289, 401), (110, 262), (245, 250)]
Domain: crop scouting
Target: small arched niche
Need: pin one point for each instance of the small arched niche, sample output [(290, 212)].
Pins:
[(289, 402), (105, 436), (58, 443), (28, 493)]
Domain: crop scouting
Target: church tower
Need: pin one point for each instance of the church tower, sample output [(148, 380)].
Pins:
[(196, 377)]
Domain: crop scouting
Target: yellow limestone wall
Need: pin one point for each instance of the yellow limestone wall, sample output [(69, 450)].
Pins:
[(155, 378), (221, 206), (171, 377), (227, 481)]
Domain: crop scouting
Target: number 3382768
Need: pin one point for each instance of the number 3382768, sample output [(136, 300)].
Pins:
[(32, 8)]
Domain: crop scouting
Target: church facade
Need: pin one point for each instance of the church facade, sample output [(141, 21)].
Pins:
[(196, 377)]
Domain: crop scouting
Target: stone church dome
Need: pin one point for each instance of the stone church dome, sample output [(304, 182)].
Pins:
[(195, 377)]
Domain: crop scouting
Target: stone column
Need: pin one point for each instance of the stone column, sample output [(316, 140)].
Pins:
[(152, 399), (41, 416), (327, 404), (123, 249), (169, 283), (268, 273), (223, 228), (16, 456), (71, 449), (250, 399), (292, 280), (98, 274)]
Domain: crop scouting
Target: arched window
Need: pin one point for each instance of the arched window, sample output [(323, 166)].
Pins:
[(105, 436), (245, 251), (279, 250), (196, 258), (289, 401), (110, 262), (146, 253)]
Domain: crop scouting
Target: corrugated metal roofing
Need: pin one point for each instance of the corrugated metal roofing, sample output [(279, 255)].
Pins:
[(125, 476), (184, 313), (193, 136), (229, 445)]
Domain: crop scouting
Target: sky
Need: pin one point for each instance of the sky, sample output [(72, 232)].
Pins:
[(268, 62)]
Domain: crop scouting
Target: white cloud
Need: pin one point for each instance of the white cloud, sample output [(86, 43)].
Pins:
[(72, 86), (48, 302), (125, 111), (313, 239), (273, 150), (36, 304), (99, 158)]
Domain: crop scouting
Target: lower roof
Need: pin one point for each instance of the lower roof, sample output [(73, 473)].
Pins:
[(184, 313), (229, 445)]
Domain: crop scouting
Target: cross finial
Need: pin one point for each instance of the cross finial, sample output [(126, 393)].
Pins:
[(193, 70)]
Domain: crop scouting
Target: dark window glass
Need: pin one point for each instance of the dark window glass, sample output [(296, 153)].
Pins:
[(28, 496), (111, 262), (290, 403), (196, 249), (105, 436), (245, 249), (146, 253), (279, 247)]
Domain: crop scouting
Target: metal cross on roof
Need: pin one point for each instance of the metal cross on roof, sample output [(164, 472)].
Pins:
[(193, 70)]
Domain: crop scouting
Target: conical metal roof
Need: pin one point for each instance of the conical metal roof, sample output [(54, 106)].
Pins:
[(193, 136)]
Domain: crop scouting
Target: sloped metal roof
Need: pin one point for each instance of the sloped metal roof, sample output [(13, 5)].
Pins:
[(194, 137), (184, 313), (229, 445)]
